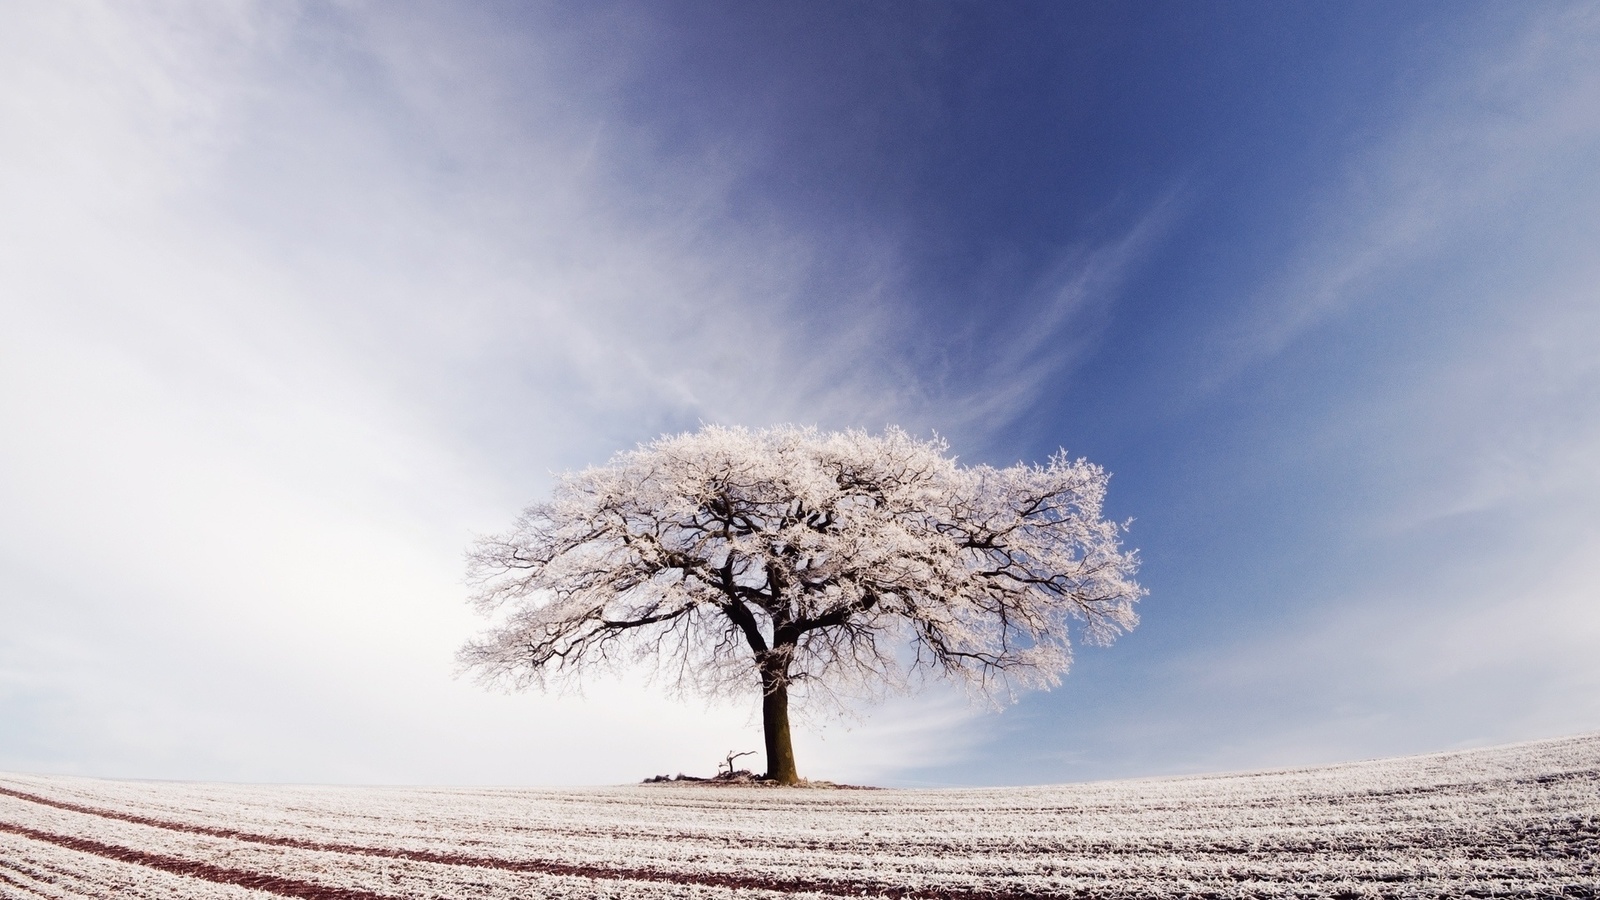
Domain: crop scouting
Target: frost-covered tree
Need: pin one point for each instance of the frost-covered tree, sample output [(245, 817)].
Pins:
[(791, 560)]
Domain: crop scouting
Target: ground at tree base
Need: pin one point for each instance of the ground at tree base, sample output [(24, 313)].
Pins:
[(1516, 821), (747, 778)]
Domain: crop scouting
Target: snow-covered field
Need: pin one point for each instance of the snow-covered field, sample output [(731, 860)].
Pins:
[(1518, 821)]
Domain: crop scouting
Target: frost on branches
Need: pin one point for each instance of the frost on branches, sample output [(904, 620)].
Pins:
[(740, 560)]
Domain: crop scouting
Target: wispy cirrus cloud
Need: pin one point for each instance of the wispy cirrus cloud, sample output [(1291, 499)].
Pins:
[(297, 298), (1476, 145), (1437, 329)]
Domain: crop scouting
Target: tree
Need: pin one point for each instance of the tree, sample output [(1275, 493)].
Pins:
[(794, 559)]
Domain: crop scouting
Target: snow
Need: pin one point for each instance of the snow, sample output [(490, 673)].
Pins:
[(1522, 820), (820, 552)]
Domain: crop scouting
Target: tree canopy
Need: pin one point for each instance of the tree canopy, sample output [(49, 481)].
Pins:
[(739, 560)]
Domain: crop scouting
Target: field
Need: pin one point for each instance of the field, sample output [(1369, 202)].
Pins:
[(1517, 821)]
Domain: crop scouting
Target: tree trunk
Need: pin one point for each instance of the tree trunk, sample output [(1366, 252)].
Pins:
[(775, 724)]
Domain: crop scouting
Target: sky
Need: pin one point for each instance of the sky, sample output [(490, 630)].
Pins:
[(299, 298)]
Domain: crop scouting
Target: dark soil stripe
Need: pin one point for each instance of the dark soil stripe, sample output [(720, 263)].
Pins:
[(276, 884), (540, 867), (7, 879)]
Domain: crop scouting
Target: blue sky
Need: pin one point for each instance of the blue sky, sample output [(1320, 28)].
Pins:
[(298, 298)]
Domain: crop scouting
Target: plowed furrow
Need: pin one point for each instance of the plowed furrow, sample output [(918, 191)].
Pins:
[(275, 884)]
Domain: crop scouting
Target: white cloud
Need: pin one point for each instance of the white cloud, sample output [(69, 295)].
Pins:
[(252, 354), (297, 299)]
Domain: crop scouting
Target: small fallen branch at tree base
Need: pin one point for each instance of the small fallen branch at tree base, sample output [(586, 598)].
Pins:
[(728, 775)]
